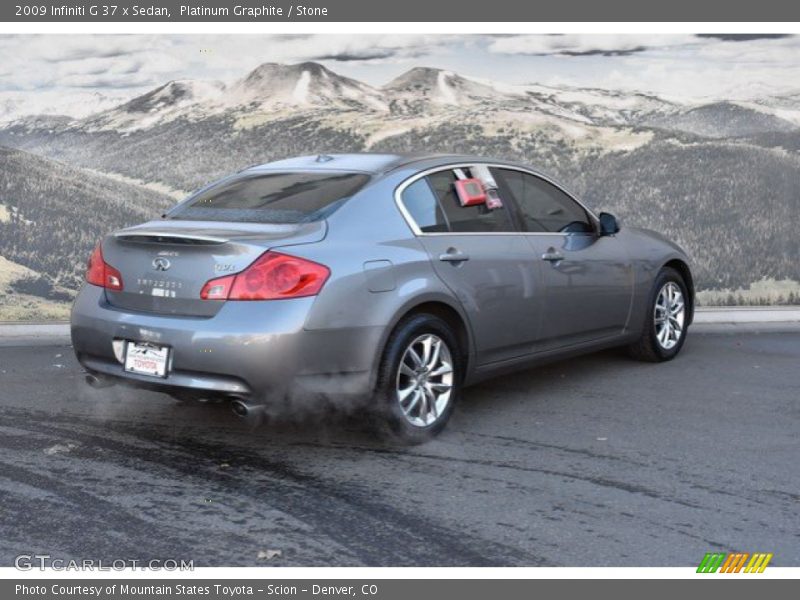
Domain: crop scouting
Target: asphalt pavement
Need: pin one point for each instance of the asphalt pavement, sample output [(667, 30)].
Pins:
[(593, 461)]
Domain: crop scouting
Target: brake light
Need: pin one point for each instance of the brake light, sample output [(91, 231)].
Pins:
[(272, 276), (100, 273)]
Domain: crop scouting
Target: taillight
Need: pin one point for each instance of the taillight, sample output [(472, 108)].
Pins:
[(100, 273), (271, 277)]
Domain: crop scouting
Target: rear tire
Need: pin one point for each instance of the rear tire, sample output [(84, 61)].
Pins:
[(419, 380), (666, 319)]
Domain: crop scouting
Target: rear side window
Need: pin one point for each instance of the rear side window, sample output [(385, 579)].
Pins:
[(466, 219), (422, 205), (292, 197)]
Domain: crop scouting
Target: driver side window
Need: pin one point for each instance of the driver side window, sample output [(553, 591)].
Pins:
[(543, 207)]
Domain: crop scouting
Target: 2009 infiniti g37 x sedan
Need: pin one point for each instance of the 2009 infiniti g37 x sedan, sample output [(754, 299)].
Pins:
[(392, 279)]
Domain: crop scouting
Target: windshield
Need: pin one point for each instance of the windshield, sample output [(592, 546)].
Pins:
[(293, 197)]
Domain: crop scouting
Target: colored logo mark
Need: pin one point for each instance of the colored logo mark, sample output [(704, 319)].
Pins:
[(734, 562)]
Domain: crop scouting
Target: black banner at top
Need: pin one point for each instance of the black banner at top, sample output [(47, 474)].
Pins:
[(406, 11)]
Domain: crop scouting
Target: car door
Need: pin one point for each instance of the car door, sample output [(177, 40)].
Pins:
[(484, 261), (588, 279)]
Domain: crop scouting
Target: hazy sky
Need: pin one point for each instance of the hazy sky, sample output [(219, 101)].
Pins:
[(673, 65)]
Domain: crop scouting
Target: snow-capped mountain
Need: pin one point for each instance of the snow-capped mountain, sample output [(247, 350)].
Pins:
[(273, 89), (176, 95), (423, 88), (169, 101), (275, 86)]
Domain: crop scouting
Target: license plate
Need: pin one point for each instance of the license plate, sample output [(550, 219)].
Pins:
[(146, 359)]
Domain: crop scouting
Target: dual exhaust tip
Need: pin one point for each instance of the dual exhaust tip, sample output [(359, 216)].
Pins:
[(240, 406)]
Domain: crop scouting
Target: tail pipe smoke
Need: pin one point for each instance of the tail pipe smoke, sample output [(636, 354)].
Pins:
[(97, 382)]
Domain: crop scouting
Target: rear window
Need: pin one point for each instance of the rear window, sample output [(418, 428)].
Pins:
[(272, 198)]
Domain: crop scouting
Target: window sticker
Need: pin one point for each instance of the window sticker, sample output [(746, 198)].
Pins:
[(470, 192)]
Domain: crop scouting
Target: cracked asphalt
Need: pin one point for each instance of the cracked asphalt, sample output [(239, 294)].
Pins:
[(593, 461)]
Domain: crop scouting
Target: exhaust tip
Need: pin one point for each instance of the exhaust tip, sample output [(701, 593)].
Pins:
[(244, 409), (240, 408)]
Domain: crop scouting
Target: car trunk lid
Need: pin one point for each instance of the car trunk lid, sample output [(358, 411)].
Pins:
[(164, 264)]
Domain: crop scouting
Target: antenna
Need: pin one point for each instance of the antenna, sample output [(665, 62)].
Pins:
[(322, 158)]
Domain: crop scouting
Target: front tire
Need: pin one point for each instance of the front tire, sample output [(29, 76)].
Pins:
[(419, 379), (666, 319)]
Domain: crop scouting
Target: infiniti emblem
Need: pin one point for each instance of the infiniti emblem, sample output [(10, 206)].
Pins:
[(161, 264)]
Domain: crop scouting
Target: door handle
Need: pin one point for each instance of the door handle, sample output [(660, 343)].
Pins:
[(454, 256), (552, 255)]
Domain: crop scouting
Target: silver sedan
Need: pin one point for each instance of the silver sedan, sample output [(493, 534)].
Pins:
[(388, 281)]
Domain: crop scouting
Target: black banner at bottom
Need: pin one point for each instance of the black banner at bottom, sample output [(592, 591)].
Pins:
[(389, 589)]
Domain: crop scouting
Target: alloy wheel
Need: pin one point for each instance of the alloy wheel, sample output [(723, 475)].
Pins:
[(424, 384), (669, 314)]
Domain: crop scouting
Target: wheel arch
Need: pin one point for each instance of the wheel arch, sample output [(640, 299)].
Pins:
[(449, 315), (446, 311), (682, 267)]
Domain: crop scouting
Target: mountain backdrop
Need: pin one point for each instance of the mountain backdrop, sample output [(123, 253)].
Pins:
[(721, 178)]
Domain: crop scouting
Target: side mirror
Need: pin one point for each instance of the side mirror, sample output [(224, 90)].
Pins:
[(608, 224)]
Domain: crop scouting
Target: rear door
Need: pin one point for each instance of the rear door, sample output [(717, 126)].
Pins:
[(484, 261), (588, 279)]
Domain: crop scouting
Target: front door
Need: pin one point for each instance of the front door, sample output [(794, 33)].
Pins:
[(588, 279)]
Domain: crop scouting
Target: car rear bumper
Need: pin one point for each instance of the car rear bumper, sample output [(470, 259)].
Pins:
[(255, 349)]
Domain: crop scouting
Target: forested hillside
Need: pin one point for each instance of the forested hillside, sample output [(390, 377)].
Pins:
[(54, 214)]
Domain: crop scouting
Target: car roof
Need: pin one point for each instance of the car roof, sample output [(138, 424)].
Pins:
[(367, 162)]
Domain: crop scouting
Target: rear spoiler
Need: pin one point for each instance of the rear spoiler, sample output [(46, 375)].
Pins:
[(167, 236)]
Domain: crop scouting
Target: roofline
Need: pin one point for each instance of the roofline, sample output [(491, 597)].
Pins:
[(403, 161), (410, 159), (398, 161)]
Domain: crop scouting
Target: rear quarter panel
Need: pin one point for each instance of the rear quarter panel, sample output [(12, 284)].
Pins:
[(379, 270)]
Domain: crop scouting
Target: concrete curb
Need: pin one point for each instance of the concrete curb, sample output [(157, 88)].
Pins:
[(34, 334), (748, 314), (707, 320)]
